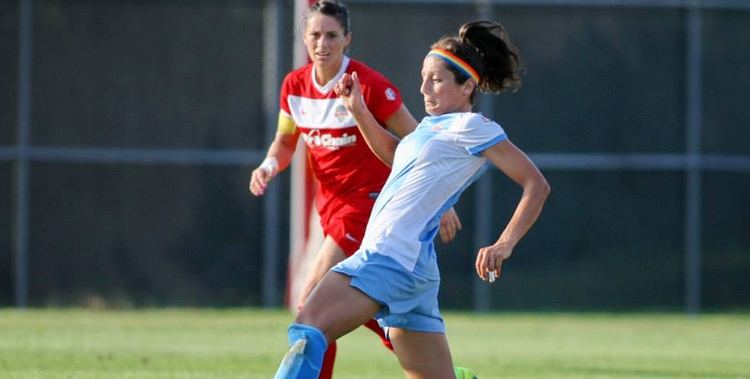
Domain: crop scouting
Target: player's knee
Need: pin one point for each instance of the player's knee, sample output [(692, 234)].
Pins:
[(307, 346), (309, 316)]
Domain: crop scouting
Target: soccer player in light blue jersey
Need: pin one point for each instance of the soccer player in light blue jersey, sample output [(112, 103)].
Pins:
[(394, 275)]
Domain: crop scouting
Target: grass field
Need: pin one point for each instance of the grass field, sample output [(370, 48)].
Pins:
[(246, 343)]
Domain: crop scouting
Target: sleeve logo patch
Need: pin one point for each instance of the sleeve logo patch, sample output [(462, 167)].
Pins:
[(390, 94)]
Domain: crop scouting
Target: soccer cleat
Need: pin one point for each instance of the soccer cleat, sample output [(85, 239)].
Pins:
[(464, 373)]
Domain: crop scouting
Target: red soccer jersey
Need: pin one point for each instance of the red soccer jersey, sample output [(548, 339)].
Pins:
[(340, 158)]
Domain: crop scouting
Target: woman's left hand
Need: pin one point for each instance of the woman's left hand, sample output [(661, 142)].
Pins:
[(490, 258)]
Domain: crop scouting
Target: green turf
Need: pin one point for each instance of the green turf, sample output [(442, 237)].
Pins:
[(249, 343)]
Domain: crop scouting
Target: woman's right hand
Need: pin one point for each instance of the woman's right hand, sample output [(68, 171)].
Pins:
[(261, 176), (350, 91)]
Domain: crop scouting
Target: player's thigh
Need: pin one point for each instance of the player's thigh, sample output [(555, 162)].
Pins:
[(336, 308), (422, 355), (329, 254)]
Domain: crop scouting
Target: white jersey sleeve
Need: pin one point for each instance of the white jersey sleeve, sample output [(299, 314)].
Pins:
[(476, 133)]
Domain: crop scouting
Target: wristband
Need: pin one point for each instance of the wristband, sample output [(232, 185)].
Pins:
[(270, 165)]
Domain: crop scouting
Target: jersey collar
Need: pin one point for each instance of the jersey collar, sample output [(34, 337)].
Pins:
[(324, 89)]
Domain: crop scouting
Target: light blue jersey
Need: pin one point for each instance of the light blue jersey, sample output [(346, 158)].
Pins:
[(431, 168), (396, 263)]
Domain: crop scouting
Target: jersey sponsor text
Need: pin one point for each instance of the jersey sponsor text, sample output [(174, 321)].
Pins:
[(316, 139)]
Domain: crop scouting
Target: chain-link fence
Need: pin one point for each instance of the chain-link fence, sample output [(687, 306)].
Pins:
[(128, 130)]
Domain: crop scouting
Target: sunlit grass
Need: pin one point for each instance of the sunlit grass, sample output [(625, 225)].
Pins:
[(248, 343)]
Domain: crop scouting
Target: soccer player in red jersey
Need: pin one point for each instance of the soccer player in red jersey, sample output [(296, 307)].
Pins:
[(349, 175)]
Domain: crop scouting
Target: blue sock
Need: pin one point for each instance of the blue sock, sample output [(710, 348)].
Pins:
[(307, 346)]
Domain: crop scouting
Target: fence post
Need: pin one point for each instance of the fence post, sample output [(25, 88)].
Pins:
[(22, 167), (693, 169), (272, 50)]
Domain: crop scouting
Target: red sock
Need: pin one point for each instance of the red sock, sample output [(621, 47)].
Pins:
[(373, 325), (326, 372)]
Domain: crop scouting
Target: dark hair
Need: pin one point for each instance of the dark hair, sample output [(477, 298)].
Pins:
[(486, 47), (332, 8)]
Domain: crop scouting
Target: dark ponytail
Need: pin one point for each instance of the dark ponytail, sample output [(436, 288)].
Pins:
[(486, 47), (500, 57)]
